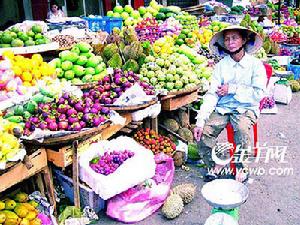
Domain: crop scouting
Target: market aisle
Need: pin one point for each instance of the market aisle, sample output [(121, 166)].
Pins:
[(273, 200)]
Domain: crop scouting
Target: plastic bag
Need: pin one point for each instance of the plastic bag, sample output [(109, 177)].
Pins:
[(143, 200), (132, 172)]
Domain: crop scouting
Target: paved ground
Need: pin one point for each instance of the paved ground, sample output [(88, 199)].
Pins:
[(273, 200)]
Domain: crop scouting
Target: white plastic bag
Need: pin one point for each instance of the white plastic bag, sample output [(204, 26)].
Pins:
[(282, 93), (132, 172), (151, 111)]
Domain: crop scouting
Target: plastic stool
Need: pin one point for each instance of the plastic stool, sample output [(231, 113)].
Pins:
[(230, 138)]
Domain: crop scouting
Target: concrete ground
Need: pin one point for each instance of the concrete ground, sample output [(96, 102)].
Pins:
[(273, 199)]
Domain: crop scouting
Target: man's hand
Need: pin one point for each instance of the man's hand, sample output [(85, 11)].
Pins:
[(198, 133), (222, 90)]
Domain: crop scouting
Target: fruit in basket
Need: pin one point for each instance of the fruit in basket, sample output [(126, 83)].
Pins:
[(112, 87), (110, 162), (17, 38), (155, 142), (67, 113), (295, 85), (10, 204), (79, 65), (21, 211)]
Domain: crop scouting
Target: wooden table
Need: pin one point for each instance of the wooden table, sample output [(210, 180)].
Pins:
[(36, 165)]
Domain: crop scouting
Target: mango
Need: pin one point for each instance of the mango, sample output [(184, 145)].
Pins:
[(10, 214), (36, 221), (21, 197), (21, 211), (2, 217), (2, 205), (31, 215), (33, 203), (11, 221), (10, 204), (28, 206), (25, 221)]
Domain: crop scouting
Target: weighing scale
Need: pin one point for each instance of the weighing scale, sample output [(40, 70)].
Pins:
[(225, 196)]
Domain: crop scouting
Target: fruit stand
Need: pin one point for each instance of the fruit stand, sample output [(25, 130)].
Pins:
[(120, 95)]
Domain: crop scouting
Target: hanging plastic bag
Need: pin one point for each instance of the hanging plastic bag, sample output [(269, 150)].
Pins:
[(143, 200)]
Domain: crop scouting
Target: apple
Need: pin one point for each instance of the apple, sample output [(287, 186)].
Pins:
[(169, 77), (153, 80), (118, 9), (147, 15), (116, 15), (110, 13), (142, 10), (135, 14), (128, 8), (124, 15)]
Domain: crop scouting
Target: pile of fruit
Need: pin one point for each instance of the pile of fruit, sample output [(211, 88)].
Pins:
[(170, 27), (204, 35), (290, 31), (237, 10), (112, 87), (274, 63), (10, 85), (124, 51), (170, 72), (267, 103), (110, 162), (79, 65), (148, 30), (270, 46), (67, 113), (21, 113), (261, 54), (30, 70), (16, 38), (19, 210), (9, 144), (163, 45), (167, 12), (155, 142), (130, 16), (216, 26), (189, 25), (278, 35), (251, 24)]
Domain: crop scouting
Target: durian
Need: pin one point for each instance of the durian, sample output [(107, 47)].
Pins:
[(173, 206), (186, 191)]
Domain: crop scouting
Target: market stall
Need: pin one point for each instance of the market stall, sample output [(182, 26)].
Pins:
[(111, 111)]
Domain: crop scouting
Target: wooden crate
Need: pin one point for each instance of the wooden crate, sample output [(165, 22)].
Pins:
[(63, 157), (20, 172), (173, 102)]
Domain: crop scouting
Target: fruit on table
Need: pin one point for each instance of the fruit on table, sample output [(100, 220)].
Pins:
[(216, 26), (110, 162), (9, 147), (110, 88), (164, 45), (148, 30), (79, 65), (67, 113), (155, 142), (251, 24), (30, 70), (170, 72), (16, 38), (130, 16)]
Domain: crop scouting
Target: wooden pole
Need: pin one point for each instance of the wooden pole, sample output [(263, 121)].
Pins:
[(279, 7), (75, 175)]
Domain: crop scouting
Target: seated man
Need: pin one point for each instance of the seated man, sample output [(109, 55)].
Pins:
[(237, 86)]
